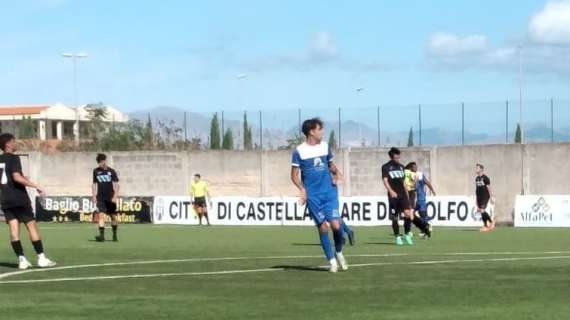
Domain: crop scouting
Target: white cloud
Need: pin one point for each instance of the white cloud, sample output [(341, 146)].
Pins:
[(551, 25), (323, 46), (546, 46), (322, 51), (447, 44)]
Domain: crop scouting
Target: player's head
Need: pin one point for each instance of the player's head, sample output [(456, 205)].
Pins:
[(394, 154), (101, 160), (313, 128), (412, 166), (7, 142), (479, 168), (197, 177)]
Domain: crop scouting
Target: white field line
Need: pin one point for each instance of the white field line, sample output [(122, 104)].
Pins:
[(162, 275)]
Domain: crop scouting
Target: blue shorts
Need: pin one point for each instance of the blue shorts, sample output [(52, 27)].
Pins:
[(323, 208)]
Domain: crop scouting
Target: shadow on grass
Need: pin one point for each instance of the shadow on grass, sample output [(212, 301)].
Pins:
[(381, 243), (8, 265), (300, 268)]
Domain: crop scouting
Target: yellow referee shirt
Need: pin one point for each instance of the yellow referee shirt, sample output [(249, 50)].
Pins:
[(199, 189)]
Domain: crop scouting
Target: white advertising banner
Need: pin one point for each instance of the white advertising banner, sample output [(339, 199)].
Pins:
[(542, 211), (456, 211)]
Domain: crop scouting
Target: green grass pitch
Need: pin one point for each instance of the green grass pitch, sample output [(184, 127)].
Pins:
[(173, 272)]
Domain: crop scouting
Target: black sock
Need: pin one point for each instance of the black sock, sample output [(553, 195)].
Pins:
[(206, 216), (485, 217), (114, 229), (396, 227), (38, 246), (407, 225), (420, 225), (101, 231), (17, 247)]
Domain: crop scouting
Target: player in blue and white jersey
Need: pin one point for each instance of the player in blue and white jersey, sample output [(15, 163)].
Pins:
[(315, 175)]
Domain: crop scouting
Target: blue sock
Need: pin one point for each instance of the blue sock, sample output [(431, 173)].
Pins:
[(326, 244), (345, 227), (338, 235)]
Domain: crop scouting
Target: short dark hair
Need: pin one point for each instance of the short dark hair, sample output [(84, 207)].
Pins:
[(4, 139), (393, 151), (480, 166), (410, 165), (311, 124), (101, 157), (197, 175)]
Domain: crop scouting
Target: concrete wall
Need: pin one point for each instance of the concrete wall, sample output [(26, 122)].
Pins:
[(540, 168)]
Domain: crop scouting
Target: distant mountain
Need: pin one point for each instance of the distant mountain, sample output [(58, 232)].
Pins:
[(276, 131)]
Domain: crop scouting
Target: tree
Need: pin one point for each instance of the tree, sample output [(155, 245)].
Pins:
[(215, 138), (332, 140), (228, 143), (26, 128), (294, 141), (247, 136), (149, 134), (96, 113), (411, 137), (518, 134)]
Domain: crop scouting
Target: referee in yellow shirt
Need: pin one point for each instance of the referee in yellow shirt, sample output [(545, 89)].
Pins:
[(199, 190)]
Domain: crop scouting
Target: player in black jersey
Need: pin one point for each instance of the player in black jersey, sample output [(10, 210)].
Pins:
[(399, 201), (105, 191), (484, 195), (17, 205)]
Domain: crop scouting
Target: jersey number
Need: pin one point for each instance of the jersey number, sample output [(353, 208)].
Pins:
[(4, 179)]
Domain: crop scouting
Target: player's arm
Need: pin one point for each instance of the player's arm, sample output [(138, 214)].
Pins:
[(429, 185), (296, 179), (337, 174), (116, 186), (19, 178), (388, 187)]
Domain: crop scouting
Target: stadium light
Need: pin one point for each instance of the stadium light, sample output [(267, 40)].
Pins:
[(74, 57)]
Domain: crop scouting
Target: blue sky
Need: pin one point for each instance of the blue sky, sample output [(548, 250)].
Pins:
[(314, 54)]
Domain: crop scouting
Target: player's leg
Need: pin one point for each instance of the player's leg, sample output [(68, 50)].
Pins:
[(14, 225), (115, 226), (205, 213), (350, 233), (315, 206), (101, 210), (33, 232), (395, 211), (338, 243), (199, 212), (408, 218)]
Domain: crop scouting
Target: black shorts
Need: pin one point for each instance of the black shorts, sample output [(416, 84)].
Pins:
[(107, 207), (200, 202), (23, 214), (397, 206), (482, 202)]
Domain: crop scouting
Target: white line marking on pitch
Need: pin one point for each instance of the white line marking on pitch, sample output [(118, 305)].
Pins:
[(162, 275), (128, 263), (113, 264)]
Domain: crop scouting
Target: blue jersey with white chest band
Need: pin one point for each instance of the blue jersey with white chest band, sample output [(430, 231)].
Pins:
[(314, 164), (421, 196)]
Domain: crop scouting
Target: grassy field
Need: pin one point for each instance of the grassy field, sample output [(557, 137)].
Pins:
[(175, 272)]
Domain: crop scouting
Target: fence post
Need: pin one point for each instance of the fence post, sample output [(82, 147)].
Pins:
[(185, 128), (339, 128), (378, 125), (552, 120), (261, 130), (420, 121), (299, 120), (462, 123), (507, 122)]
